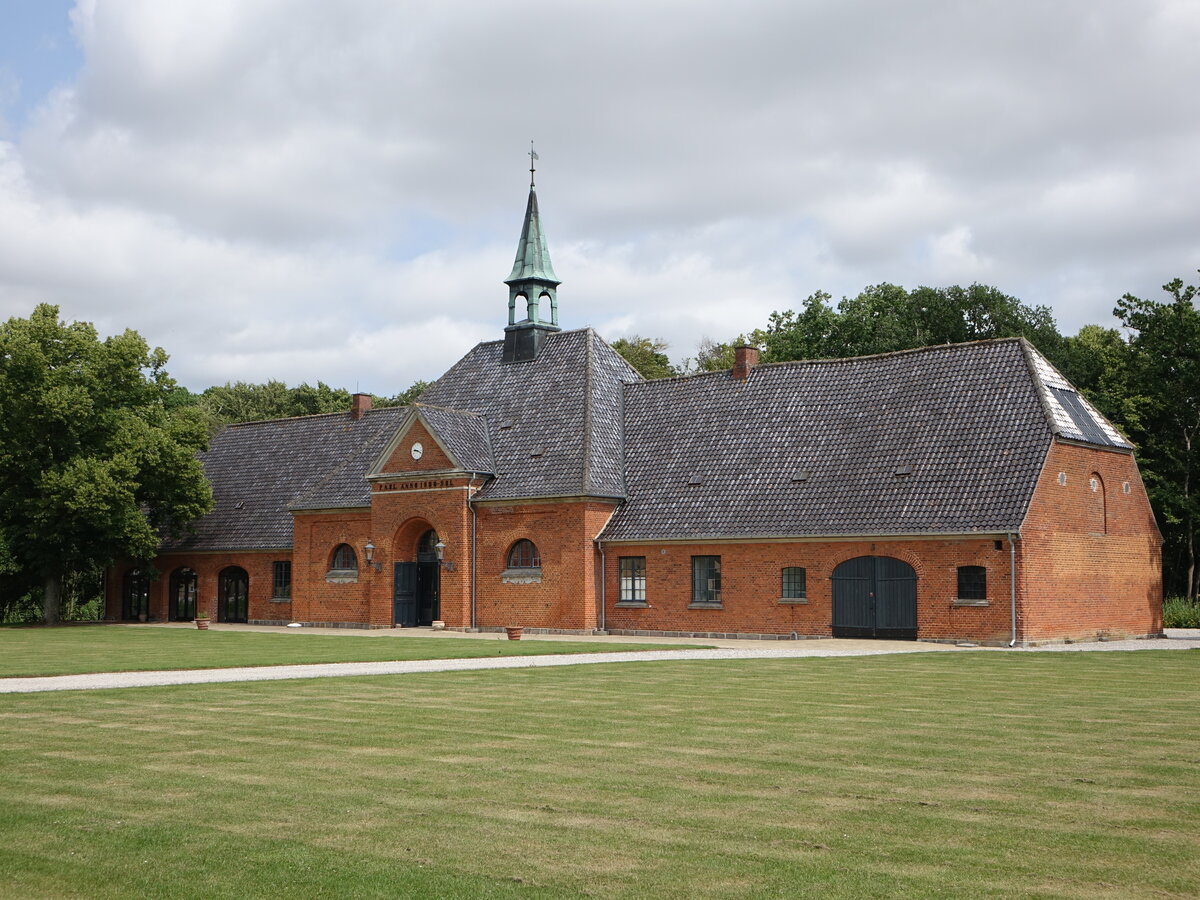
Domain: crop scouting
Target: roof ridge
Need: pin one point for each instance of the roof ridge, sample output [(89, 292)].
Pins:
[(450, 409), (344, 412), (839, 359)]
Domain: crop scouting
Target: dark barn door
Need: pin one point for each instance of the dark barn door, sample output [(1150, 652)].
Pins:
[(404, 594), (875, 597)]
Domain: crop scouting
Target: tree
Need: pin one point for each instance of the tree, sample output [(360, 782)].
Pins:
[(1164, 352), (647, 355), (96, 460), (884, 318), (241, 402), (404, 398)]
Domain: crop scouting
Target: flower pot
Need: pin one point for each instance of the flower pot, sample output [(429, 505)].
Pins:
[(202, 624), (514, 632)]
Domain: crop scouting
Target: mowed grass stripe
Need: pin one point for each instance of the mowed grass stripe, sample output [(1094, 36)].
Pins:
[(940, 775), (83, 649)]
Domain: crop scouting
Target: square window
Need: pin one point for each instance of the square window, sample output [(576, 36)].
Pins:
[(972, 583), (706, 579), (794, 583), (632, 579)]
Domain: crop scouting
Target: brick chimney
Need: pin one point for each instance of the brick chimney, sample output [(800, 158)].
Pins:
[(745, 358), (359, 404)]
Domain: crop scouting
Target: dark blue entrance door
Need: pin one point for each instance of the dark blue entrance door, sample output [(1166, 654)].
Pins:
[(404, 594)]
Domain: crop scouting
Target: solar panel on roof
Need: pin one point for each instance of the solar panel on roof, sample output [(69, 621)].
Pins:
[(1090, 429)]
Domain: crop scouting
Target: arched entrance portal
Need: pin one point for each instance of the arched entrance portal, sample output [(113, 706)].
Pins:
[(415, 598), (875, 597), (233, 595)]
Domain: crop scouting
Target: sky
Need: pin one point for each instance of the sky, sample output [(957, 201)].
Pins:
[(314, 191)]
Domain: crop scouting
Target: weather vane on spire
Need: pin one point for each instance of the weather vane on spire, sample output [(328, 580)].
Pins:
[(532, 158)]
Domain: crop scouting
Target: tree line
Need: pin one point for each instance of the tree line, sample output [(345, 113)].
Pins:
[(98, 444), (1144, 376)]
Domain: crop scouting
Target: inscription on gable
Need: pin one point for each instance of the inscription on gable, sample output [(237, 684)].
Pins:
[(428, 485)]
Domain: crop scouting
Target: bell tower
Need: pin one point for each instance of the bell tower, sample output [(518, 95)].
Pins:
[(532, 286)]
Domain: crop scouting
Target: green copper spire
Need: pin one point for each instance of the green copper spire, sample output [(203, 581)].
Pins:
[(533, 256)]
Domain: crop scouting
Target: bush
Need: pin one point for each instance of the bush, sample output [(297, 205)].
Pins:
[(1179, 612)]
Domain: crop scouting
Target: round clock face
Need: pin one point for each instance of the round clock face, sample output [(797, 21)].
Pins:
[(417, 451)]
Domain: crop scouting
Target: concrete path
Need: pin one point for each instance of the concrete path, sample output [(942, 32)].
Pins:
[(1176, 640)]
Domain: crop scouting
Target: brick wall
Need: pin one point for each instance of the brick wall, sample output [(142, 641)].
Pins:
[(566, 595), (432, 455), (1094, 549), (315, 599), (208, 567), (751, 587)]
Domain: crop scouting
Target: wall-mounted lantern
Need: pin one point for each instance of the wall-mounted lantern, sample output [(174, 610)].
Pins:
[(440, 549), (369, 553)]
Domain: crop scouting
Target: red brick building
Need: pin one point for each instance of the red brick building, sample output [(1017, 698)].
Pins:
[(963, 492)]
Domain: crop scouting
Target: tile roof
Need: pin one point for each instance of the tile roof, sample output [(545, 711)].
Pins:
[(258, 469), (554, 421), (939, 440)]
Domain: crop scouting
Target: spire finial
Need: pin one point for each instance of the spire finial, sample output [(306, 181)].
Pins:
[(532, 158)]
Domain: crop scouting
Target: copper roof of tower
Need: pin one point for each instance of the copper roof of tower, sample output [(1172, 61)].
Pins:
[(533, 256)]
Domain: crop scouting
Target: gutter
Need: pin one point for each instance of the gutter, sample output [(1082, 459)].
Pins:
[(474, 556)]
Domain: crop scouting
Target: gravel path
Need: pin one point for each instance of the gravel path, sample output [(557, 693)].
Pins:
[(1177, 640)]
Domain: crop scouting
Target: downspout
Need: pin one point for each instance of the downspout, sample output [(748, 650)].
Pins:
[(474, 567), (1012, 585), (603, 582)]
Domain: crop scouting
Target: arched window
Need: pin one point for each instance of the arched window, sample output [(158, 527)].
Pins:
[(524, 555), (344, 558), (972, 583), (182, 595), (135, 596)]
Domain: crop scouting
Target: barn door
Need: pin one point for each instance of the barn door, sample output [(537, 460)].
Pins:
[(404, 594), (875, 597)]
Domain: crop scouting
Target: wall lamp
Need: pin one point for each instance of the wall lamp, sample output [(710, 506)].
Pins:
[(369, 552), (440, 548)]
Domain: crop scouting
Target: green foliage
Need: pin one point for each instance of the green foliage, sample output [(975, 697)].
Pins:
[(242, 402), (412, 395), (1180, 612), (647, 355), (1163, 397), (884, 318), (96, 460)]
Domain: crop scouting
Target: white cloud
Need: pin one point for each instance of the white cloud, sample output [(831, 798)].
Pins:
[(333, 191)]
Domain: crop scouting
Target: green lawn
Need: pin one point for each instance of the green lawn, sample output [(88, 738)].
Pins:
[(114, 648), (930, 775)]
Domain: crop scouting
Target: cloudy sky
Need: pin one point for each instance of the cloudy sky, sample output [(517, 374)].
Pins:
[(307, 190)]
